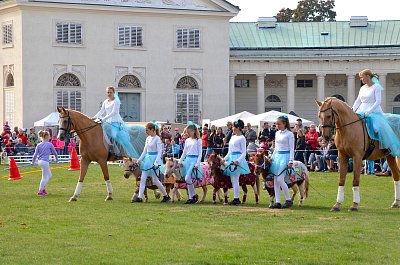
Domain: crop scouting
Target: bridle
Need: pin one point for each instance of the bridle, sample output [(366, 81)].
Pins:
[(132, 167), (332, 124), (70, 124)]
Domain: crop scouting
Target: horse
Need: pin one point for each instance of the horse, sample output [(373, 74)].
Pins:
[(173, 175), (91, 147), (222, 181), (131, 167), (297, 180), (352, 141)]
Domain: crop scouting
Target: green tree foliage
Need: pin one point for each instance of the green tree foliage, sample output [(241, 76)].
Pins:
[(308, 10)]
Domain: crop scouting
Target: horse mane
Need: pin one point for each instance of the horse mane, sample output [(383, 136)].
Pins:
[(78, 113)]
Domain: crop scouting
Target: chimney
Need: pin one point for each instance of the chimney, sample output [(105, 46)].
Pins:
[(266, 22), (358, 21)]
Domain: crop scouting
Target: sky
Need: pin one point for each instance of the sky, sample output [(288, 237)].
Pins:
[(373, 9)]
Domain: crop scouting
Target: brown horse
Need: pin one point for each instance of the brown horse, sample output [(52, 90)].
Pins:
[(91, 147), (352, 141), (298, 181), (221, 181), (131, 167)]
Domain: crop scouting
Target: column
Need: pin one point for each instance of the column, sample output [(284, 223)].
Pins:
[(321, 87), (351, 95), (290, 93), (232, 94), (260, 94), (382, 80)]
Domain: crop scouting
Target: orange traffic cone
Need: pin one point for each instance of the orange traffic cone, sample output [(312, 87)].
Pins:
[(14, 172), (74, 164)]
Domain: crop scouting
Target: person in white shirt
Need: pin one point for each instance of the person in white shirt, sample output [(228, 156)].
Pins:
[(190, 161), (236, 159), (282, 160), (150, 161), (116, 138)]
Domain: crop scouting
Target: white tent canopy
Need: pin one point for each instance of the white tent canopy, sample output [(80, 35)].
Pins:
[(50, 120), (271, 116), (241, 115)]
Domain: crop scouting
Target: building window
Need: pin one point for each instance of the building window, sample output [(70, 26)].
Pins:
[(9, 105), (69, 99), (68, 33), (68, 80), (129, 81), (397, 98), (396, 110), (273, 108), (9, 80), (187, 102), (7, 33), (272, 98), (305, 83), (241, 83), (130, 36), (339, 97), (188, 38)]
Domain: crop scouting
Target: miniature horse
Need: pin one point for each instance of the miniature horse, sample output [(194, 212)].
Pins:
[(299, 180), (222, 181), (131, 167)]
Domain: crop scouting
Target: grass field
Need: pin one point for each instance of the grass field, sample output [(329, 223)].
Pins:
[(50, 230)]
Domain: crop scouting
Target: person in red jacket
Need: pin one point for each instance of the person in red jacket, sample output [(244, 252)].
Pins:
[(22, 135), (311, 141)]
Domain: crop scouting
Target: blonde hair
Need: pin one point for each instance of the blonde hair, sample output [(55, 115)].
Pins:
[(365, 72), (42, 134), (112, 88), (194, 129)]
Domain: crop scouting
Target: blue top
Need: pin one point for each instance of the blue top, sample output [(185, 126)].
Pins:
[(43, 152)]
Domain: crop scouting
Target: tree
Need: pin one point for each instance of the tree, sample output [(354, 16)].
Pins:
[(308, 10)]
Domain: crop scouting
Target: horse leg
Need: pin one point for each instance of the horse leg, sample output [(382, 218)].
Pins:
[(215, 190), (204, 194), (104, 169), (157, 194), (343, 161), (226, 196), (255, 192), (220, 195), (146, 198), (295, 189), (244, 188), (301, 189), (356, 183), (78, 189), (134, 196), (395, 169)]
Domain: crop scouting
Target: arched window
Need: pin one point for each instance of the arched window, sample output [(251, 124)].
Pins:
[(187, 82), (339, 97), (272, 98), (129, 81), (9, 80), (187, 102), (397, 98), (68, 80)]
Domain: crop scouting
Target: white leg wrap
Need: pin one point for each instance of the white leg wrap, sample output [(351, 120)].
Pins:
[(397, 190), (109, 186), (78, 189), (340, 195), (356, 194)]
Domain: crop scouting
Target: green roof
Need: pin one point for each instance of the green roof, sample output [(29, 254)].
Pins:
[(307, 35)]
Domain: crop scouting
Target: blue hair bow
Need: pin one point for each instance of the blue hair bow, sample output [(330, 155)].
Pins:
[(157, 125), (284, 116), (194, 124), (236, 122)]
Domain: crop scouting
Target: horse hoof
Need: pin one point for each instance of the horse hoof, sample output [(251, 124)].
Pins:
[(158, 195), (201, 201), (225, 203), (221, 200), (353, 209), (108, 198), (395, 205), (335, 209), (214, 202), (73, 199)]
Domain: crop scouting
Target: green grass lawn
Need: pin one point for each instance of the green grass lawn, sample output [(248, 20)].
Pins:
[(50, 230)]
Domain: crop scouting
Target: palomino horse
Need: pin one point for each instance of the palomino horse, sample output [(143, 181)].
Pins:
[(297, 180), (131, 167), (91, 147), (352, 141), (173, 175), (222, 181)]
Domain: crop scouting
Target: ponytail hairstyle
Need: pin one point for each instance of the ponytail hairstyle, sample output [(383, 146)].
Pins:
[(239, 124), (153, 126), (42, 134), (285, 120), (192, 127)]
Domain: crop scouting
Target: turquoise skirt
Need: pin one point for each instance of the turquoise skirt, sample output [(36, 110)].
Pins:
[(188, 164), (280, 160), (385, 128), (242, 168), (148, 163)]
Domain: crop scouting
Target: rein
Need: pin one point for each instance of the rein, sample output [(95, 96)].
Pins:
[(70, 124)]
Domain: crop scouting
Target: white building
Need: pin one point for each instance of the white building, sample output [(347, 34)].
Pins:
[(169, 59)]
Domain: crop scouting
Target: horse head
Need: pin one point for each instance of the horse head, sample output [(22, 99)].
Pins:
[(262, 164), (131, 166), (327, 116), (215, 162), (64, 123), (171, 167)]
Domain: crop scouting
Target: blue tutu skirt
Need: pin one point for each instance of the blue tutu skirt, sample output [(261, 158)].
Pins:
[(242, 168), (188, 164), (124, 140), (148, 163), (388, 130), (280, 160)]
